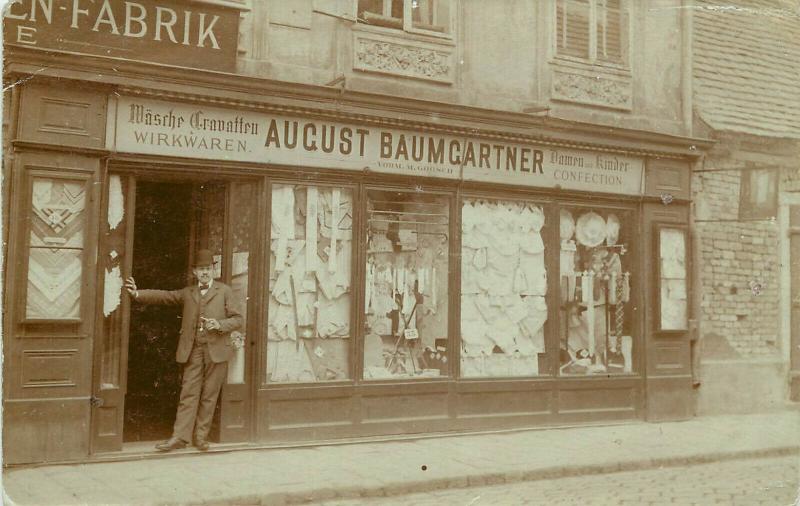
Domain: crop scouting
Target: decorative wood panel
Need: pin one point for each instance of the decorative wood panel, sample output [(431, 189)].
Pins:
[(503, 404), (44, 431), (63, 115), (403, 408), (49, 368), (586, 400), (667, 178), (309, 413)]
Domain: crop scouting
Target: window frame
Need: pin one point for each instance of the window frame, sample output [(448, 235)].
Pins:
[(547, 233), (33, 172), (355, 277), (658, 228), (407, 19), (626, 7), (638, 282), (453, 305)]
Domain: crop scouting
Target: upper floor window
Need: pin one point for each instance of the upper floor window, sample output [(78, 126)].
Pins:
[(421, 16), (594, 30)]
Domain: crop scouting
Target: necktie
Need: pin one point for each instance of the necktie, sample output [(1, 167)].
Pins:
[(203, 287)]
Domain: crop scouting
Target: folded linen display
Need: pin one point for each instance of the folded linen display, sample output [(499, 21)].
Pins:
[(504, 281)]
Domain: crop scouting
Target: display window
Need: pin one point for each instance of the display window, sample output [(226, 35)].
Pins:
[(311, 248), (596, 325), (406, 285), (503, 288)]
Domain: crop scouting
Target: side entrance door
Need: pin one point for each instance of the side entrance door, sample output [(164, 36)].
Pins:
[(794, 268)]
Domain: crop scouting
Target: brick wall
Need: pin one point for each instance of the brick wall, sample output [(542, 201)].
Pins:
[(739, 263)]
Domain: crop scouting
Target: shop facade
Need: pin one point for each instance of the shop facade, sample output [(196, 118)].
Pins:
[(402, 270)]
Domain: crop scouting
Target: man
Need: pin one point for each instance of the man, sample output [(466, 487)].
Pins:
[(210, 314)]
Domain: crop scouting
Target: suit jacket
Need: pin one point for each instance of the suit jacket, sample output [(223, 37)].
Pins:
[(220, 305)]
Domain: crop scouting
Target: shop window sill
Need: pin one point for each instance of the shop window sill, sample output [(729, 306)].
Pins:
[(395, 52), (599, 84)]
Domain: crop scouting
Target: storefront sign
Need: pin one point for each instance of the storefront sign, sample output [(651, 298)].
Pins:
[(163, 31), (183, 130)]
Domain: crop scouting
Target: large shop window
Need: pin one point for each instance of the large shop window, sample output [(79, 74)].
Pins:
[(56, 249), (310, 273), (594, 30), (422, 16), (596, 324), (406, 295), (503, 287)]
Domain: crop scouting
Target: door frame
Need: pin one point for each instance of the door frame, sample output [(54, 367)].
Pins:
[(785, 233), (105, 407)]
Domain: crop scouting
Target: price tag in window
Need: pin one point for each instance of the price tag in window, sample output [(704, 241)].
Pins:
[(411, 334)]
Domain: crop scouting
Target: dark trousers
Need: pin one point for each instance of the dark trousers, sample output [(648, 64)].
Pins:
[(202, 381)]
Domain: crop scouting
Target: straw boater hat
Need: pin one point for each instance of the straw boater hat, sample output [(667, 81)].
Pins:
[(590, 229), (203, 258)]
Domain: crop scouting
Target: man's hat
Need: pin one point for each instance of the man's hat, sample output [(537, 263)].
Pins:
[(203, 258)]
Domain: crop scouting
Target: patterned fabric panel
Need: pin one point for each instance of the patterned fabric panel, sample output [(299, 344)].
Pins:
[(54, 284), (57, 213)]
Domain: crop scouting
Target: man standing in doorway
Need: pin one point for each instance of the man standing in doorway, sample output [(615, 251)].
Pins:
[(210, 314)]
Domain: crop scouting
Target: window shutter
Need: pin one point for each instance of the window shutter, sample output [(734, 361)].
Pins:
[(572, 19)]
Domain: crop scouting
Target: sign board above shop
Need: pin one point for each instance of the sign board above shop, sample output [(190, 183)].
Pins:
[(172, 32), (195, 131)]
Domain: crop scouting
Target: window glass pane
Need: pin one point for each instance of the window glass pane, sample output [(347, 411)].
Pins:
[(311, 246), (244, 197), (503, 286), (57, 208), (387, 13), (611, 34), (54, 284), (596, 325), (55, 268), (433, 15), (674, 297), (572, 28), (406, 285)]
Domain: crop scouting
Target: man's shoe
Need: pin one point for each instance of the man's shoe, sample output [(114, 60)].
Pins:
[(170, 444), (201, 444)]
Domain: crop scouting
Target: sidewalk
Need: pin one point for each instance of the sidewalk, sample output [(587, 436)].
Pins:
[(303, 475)]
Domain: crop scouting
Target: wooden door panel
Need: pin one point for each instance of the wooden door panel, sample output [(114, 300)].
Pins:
[(111, 342), (794, 339), (241, 245)]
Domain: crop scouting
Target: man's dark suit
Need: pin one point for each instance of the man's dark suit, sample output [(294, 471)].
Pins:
[(204, 353)]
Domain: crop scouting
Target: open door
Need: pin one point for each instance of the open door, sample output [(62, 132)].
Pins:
[(240, 259), (226, 223), (113, 313)]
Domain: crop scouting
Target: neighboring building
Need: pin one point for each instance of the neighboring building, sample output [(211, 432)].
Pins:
[(440, 215), (746, 203)]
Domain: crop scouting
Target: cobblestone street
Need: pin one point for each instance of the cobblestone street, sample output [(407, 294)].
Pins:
[(772, 482)]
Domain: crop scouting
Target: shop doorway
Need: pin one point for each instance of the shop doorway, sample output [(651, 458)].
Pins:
[(163, 224), (151, 229)]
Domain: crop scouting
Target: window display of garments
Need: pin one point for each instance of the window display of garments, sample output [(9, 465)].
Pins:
[(333, 317), (504, 281), (310, 275), (594, 292)]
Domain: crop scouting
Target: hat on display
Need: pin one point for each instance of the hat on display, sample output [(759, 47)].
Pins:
[(590, 230), (567, 225), (204, 258), (612, 230)]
